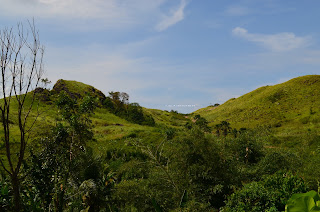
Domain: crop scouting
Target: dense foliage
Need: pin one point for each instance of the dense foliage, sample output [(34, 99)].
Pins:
[(269, 194), (118, 103), (173, 162)]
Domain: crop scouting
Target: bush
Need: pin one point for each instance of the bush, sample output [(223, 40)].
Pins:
[(275, 161), (132, 112), (270, 194), (208, 172), (246, 148)]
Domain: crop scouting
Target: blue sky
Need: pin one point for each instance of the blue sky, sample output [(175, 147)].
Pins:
[(174, 54)]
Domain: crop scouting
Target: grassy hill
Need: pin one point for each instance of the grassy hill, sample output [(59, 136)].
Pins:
[(290, 107), (110, 131), (140, 167), (76, 89)]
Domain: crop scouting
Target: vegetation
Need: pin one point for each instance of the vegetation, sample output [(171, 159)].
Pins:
[(96, 153), (304, 202), (269, 194), (18, 78), (290, 108), (118, 103)]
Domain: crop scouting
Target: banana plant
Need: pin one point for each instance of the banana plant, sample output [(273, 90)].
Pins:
[(304, 202)]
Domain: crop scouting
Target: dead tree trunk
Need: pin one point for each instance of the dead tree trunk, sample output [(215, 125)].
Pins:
[(21, 71)]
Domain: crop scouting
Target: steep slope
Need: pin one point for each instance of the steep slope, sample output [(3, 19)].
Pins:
[(290, 105)]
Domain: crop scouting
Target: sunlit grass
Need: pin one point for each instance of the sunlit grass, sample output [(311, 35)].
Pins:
[(291, 108)]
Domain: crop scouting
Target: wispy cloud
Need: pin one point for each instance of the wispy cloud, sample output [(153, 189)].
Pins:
[(237, 11), (106, 14), (175, 17), (280, 42)]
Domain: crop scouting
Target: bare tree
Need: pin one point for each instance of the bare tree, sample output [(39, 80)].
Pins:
[(21, 72)]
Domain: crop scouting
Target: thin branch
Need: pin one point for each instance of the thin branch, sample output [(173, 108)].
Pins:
[(4, 167)]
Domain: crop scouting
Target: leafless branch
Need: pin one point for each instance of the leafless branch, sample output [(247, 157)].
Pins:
[(21, 63)]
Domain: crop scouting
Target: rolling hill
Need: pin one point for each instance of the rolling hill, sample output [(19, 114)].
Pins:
[(129, 162), (289, 107), (106, 126)]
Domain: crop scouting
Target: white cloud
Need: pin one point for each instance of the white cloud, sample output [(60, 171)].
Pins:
[(276, 42), (104, 13), (175, 17)]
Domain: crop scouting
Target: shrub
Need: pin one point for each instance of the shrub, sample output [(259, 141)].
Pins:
[(269, 194)]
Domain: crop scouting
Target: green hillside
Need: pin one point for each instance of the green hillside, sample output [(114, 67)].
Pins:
[(290, 106), (76, 89), (91, 151), (108, 126)]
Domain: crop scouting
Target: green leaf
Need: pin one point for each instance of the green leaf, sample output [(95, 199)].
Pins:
[(305, 202), (184, 199), (301, 204)]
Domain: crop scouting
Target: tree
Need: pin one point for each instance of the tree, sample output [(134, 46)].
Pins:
[(21, 56), (202, 123), (124, 98), (120, 101), (223, 127), (76, 131), (135, 113)]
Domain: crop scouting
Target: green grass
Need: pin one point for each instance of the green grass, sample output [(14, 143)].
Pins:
[(166, 118), (77, 89), (291, 107), (108, 128)]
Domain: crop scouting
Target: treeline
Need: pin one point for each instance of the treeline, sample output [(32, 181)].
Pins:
[(118, 103), (222, 129)]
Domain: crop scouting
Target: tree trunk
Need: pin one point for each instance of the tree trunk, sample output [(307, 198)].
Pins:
[(16, 193), (21, 71)]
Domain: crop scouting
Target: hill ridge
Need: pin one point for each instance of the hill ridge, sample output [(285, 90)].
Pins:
[(295, 101)]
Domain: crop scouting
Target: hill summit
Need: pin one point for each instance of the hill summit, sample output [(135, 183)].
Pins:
[(291, 104), (77, 89)]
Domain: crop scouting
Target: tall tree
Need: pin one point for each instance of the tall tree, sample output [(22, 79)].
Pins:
[(76, 131), (21, 56)]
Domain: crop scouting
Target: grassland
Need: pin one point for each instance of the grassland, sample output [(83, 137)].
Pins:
[(108, 128), (290, 108)]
